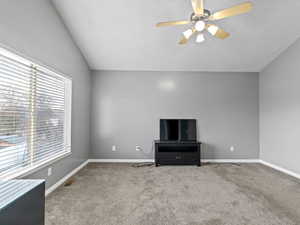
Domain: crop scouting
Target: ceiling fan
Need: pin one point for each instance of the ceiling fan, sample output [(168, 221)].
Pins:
[(201, 17)]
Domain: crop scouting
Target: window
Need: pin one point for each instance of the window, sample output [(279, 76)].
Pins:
[(35, 115)]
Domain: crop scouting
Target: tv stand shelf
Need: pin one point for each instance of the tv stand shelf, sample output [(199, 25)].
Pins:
[(177, 153)]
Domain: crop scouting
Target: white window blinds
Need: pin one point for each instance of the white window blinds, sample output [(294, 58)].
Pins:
[(35, 115)]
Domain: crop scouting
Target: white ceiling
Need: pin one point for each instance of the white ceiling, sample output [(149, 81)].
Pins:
[(121, 35)]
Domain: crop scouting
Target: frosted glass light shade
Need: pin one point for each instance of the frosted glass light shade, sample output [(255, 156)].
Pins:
[(200, 25), (200, 38), (212, 29), (188, 33)]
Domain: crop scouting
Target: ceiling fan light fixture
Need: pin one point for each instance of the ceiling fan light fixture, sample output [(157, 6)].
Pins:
[(213, 29), (200, 38), (200, 20), (188, 33), (200, 25)]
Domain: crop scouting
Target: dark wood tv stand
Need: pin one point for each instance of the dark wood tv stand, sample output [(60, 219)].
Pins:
[(177, 153)]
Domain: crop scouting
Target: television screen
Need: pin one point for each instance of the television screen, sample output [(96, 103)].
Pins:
[(169, 130), (188, 130), (178, 130)]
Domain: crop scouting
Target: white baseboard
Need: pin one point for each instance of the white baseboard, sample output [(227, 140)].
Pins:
[(230, 160), (65, 178), (121, 160), (283, 170), (152, 160)]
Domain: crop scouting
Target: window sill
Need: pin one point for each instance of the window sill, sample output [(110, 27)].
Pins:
[(27, 171)]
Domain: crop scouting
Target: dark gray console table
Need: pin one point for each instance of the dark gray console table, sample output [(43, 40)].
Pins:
[(177, 153), (22, 202)]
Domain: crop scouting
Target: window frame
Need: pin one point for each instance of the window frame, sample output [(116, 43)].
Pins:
[(22, 172)]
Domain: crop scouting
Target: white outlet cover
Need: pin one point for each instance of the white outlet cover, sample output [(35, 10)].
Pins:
[(138, 148), (114, 148), (232, 148)]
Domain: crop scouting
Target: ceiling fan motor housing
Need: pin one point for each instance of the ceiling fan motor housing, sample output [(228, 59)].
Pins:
[(204, 17)]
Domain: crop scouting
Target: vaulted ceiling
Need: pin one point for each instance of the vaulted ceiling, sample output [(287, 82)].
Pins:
[(121, 35)]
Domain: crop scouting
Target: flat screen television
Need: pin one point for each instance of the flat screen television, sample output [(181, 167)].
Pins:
[(178, 130)]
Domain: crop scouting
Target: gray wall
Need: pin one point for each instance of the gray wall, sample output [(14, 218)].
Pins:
[(33, 28), (280, 110), (126, 107)]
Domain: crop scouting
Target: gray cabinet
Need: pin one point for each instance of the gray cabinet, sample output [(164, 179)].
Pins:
[(22, 202)]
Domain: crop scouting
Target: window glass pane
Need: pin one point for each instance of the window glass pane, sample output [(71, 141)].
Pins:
[(14, 115), (49, 116), (35, 115)]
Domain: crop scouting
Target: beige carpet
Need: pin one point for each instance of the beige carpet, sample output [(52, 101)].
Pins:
[(214, 194)]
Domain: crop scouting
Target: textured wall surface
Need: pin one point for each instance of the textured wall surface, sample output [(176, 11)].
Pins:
[(34, 29), (127, 106), (280, 110)]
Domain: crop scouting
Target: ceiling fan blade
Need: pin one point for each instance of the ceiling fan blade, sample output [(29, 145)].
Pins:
[(185, 40), (216, 31), (198, 7), (173, 23), (233, 11)]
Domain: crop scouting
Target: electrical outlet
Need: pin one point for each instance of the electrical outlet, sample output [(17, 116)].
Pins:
[(114, 148), (138, 148), (49, 171), (232, 149)]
